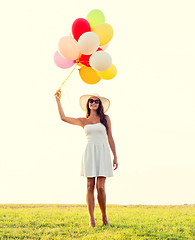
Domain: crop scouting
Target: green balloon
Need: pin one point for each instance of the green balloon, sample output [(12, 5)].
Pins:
[(95, 17)]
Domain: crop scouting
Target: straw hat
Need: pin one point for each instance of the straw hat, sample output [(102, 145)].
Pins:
[(84, 98)]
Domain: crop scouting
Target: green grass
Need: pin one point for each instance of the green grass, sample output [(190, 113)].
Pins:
[(35, 221)]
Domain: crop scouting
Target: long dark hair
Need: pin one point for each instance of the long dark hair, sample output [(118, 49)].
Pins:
[(100, 112)]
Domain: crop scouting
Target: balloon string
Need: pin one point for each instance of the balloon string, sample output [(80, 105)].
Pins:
[(68, 76)]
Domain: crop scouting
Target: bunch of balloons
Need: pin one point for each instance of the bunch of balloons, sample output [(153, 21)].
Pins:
[(85, 48)]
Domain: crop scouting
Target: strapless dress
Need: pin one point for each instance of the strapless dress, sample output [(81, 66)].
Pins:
[(96, 158)]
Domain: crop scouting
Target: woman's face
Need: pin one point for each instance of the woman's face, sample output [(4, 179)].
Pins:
[(94, 104)]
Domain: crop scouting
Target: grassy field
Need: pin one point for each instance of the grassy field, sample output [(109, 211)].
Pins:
[(34, 221)]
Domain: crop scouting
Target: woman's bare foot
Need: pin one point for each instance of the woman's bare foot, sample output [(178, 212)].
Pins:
[(92, 223), (105, 221)]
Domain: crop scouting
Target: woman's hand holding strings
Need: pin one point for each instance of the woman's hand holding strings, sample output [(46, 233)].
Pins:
[(58, 94)]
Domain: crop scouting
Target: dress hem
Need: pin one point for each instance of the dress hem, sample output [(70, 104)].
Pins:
[(97, 176)]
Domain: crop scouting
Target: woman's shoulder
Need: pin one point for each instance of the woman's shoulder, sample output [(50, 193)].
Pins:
[(107, 117), (83, 120)]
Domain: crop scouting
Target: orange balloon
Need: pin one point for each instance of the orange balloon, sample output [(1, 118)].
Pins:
[(89, 75)]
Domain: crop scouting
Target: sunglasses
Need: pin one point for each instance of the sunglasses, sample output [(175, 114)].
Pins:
[(92, 100)]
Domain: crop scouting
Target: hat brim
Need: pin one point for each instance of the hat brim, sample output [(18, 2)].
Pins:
[(84, 98)]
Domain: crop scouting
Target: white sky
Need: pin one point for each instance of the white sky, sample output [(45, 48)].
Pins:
[(152, 102)]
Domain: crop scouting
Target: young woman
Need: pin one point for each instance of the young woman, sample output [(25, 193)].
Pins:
[(96, 159)]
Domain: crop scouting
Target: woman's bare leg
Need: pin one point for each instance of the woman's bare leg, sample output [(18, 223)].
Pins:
[(91, 200), (101, 195)]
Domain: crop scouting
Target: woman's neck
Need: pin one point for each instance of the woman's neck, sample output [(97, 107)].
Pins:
[(93, 114)]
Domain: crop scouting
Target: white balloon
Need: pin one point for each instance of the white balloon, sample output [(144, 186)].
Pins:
[(88, 43), (100, 61)]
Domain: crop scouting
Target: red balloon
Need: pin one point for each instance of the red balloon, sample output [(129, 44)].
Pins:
[(84, 59), (80, 26)]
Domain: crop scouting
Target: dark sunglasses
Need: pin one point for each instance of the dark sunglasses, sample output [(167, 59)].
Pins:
[(92, 100)]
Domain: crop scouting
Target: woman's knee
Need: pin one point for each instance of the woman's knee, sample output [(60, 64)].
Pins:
[(100, 188), (91, 185)]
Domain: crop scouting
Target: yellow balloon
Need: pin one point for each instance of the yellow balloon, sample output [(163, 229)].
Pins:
[(104, 32), (109, 73), (89, 75)]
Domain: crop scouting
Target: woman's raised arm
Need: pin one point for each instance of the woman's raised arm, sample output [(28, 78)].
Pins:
[(75, 121)]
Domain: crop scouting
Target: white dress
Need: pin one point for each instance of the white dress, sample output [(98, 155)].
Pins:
[(96, 159)]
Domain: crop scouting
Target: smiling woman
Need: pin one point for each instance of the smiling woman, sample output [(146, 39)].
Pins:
[(96, 159)]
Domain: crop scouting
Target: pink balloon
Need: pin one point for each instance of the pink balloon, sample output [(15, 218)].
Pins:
[(68, 47), (63, 62)]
